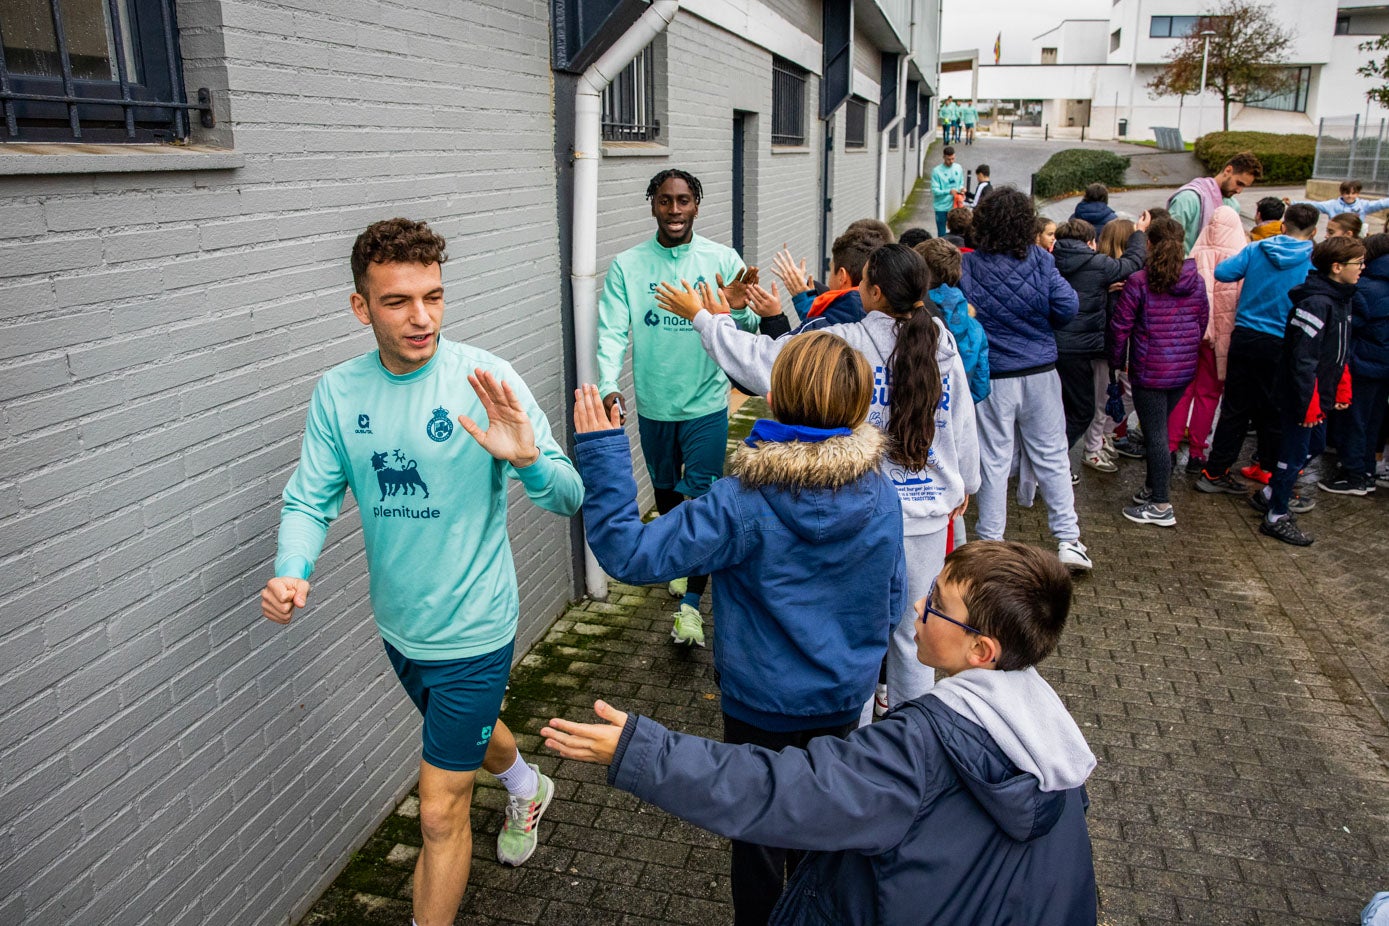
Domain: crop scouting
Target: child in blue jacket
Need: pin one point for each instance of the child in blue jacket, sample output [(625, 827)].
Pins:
[(965, 805), (804, 541), (944, 260)]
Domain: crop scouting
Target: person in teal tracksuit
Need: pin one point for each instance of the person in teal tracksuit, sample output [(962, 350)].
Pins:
[(949, 115), (969, 115), (946, 178), (682, 395), (432, 503)]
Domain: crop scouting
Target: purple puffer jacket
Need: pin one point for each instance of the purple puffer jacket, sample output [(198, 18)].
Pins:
[(1157, 335)]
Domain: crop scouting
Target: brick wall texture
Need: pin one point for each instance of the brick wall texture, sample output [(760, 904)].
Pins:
[(166, 755)]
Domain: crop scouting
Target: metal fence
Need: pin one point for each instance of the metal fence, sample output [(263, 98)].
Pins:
[(1351, 148)]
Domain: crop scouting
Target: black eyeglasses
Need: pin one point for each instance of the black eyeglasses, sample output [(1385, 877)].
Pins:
[(930, 596)]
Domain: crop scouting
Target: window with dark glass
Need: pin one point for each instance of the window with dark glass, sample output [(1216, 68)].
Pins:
[(1114, 38), (92, 71), (855, 123), (1172, 27), (629, 103), (1294, 98), (1342, 25), (892, 139), (788, 103)]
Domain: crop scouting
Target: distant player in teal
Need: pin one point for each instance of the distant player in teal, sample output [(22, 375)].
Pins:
[(969, 115), (432, 502), (947, 177), (682, 395)]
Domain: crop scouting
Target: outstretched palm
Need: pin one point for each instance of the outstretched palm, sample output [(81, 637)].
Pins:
[(509, 435)]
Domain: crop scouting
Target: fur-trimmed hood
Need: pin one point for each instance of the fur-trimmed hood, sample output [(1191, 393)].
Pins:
[(822, 492), (826, 464)]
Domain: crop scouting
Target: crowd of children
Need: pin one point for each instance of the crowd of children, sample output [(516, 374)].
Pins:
[(921, 373)]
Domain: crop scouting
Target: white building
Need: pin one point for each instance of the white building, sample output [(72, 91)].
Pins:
[(1093, 73)]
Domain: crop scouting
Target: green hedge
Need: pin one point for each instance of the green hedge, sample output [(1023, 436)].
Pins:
[(1286, 158), (1072, 170)]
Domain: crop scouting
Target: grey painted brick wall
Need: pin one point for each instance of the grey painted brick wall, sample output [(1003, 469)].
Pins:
[(167, 755)]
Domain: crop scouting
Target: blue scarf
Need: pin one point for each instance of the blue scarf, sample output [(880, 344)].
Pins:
[(765, 429)]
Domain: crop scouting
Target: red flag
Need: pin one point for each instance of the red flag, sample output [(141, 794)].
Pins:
[(998, 47)]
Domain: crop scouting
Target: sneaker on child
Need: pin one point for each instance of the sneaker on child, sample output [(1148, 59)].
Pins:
[(1151, 514), (1222, 483), (1099, 461), (1347, 483), (1256, 473), (1073, 555), (689, 627), (1286, 530)]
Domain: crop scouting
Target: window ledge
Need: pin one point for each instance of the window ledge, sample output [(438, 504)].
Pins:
[(635, 149), (46, 158), (792, 149)]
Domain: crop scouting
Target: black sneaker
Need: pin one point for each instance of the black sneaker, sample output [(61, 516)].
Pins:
[(1130, 448), (1286, 530), (1347, 484), (1222, 483), (1195, 466), (1296, 505), (1143, 496)]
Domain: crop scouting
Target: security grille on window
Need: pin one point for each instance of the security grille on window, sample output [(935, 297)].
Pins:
[(788, 103), (855, 124), (93, 71), (629, 103)]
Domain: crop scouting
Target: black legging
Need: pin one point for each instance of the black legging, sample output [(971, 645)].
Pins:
[(666, 502)]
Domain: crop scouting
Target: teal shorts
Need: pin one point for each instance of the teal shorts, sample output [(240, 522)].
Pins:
[(460, 700)]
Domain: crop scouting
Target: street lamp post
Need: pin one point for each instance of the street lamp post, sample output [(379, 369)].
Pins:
[(1205, 57)]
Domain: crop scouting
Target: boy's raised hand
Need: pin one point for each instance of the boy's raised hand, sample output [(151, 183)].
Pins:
[(793, 276), (683, 302), (765, 304), (715, 301), (589, 414), (587, 742)]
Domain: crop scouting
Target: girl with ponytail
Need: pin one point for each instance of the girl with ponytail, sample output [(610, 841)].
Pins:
[(1156, 334), (920, 400)]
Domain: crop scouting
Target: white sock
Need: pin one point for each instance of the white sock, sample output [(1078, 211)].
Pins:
[(520, 780)]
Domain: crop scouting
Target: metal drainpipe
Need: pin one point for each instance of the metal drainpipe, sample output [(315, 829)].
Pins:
[(588, 109)]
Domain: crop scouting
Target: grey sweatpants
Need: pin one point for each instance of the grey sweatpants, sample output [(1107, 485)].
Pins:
[(907, 677), (1032, 405)]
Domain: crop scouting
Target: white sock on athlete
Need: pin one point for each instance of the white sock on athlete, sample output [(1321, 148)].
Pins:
[(520, 780)]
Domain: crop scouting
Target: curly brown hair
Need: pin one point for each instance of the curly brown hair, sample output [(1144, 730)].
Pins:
[(394, 241), (1005, 223)]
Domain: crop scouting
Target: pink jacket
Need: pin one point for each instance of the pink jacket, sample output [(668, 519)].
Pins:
[(1222, 238)]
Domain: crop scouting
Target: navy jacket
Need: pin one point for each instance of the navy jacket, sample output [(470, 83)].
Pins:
[(1018, 302), (1096, 213), (804, 541), (1369, 341), (1090, 274), (915, 820), (1316, 344)]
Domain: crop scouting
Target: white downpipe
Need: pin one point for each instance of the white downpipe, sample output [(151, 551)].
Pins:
[(588, 140), (882, 140)]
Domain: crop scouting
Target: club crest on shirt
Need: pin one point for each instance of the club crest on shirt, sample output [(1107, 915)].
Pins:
[(440, 428)]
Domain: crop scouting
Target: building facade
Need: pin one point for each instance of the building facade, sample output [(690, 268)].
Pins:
[(1094, 73), (174, 279)]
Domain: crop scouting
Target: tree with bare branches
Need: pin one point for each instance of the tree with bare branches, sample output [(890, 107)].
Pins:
[(1247, 61)]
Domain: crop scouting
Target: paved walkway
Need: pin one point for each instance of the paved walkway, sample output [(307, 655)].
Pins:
[(1235, 690)]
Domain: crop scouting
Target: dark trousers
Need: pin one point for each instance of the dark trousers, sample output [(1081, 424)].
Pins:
[(1251, 373), (1292, 455), (1077, 395), (1154, 407), (1367, 401), (761, 872)]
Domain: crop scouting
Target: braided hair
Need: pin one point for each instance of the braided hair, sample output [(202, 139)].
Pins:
[(696, 187)]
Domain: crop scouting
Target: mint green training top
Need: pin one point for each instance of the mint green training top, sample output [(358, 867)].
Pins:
[(675, 379), (432, 501)]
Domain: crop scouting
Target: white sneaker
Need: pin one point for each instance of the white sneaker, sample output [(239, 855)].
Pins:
[(1072, 554), (1101, 462)]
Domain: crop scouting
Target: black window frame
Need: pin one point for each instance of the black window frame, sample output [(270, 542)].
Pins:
[(1169, 27), (1342, 25), (1296, 97), (148, 106), (855, 123), (788, 103), (629, 102)]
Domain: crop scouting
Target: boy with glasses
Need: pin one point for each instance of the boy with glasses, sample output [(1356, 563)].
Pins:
[(978, 783)]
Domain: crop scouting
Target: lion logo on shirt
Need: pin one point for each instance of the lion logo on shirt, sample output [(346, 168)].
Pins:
[(392, 479)]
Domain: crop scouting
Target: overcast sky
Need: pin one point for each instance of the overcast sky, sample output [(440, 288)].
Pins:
[(976, 24)]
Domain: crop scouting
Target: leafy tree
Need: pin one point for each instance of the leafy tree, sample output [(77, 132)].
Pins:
[(1377, 68), (1247, 61)]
